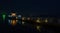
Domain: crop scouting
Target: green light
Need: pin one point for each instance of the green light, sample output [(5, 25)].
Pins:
[(3, 16)]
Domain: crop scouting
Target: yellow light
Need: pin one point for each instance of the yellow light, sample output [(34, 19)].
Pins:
[(46, 20), (38, 21), (13, 14), (13, 22), (16, 19), (38, 28)]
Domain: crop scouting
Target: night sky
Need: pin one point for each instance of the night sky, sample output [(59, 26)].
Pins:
[(30, 7)]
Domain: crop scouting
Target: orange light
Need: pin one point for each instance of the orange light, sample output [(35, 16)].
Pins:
[(13, 22), (13, 14)]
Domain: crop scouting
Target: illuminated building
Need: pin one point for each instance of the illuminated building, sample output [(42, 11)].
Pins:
[(13, 21)]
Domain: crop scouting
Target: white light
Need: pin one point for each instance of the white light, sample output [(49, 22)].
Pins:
[(9, 16), (28, 18), (9, 21), (23, 22), (19, 15)]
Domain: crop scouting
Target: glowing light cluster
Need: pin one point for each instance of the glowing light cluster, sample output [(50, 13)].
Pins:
[(23, 19), (13, 22), (13, 14)]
